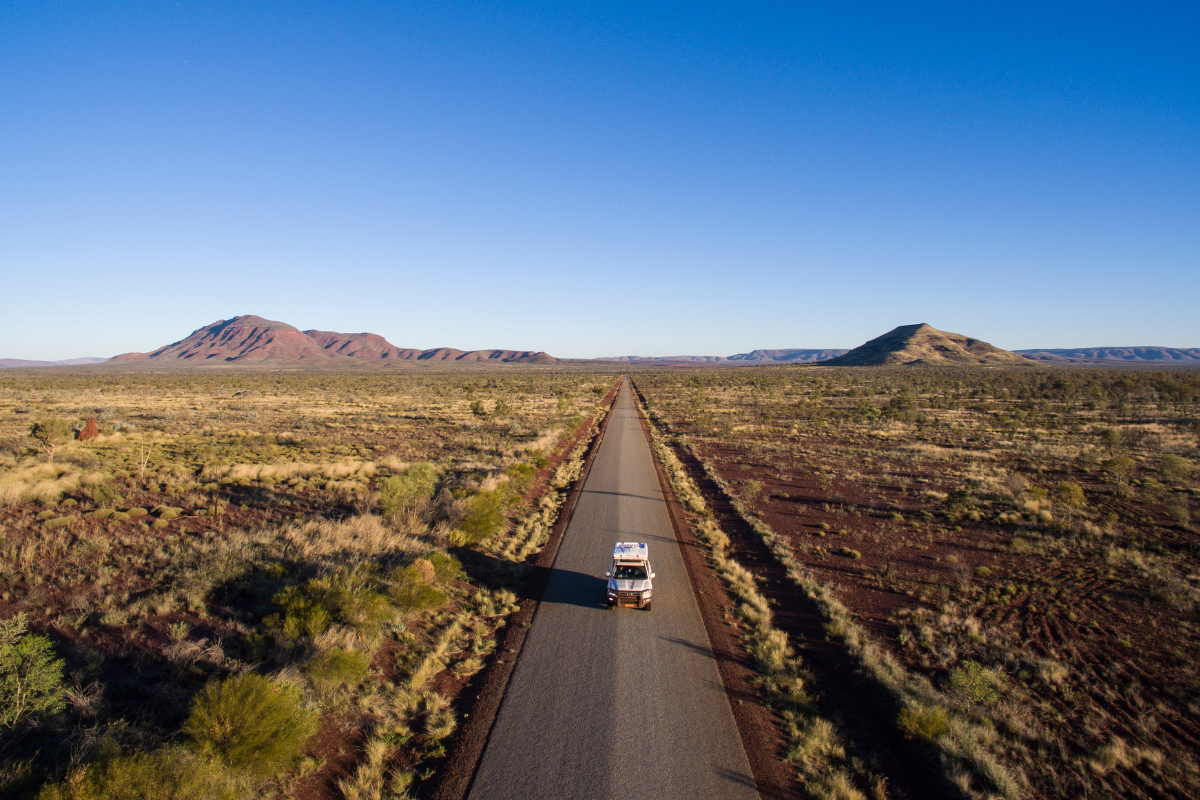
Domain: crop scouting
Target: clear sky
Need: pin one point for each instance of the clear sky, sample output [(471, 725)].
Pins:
[(599, 179)]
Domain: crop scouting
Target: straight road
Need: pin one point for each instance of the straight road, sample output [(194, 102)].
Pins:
[(615, 703)]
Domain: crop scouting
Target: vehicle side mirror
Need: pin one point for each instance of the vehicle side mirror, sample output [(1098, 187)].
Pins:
[(651, 575), (608, 574)]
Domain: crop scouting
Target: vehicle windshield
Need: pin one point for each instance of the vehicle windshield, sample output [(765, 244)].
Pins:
[(629, 572)]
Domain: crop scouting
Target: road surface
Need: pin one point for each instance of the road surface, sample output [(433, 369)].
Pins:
[(615, 703)]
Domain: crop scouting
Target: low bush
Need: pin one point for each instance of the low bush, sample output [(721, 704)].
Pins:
[(413, 485), (412, 588), (485, 515), (972, 682), (923, 723), (1175, 467), (249, 723), (346, 596), (173, 774), (336, 667)]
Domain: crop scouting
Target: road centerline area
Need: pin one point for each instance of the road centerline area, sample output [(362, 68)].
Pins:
[(605, 702)]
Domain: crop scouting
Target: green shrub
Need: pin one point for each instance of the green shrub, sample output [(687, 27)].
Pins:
[(411, 589), (847, 552), (485, 515), (336, 667), (249, 723), (445, 566), (1175, 467), (299, 614), (173, 774), (521, 476), (924, 723), (30, 675), (973, 682), (414, 484), (346, 596), (1177, 509)]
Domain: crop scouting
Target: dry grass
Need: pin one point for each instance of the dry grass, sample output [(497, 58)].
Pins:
[(955, 488), (255, 542)]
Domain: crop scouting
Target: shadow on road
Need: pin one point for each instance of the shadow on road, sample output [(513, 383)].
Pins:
[(570, 588), (736, 777), (624, 494)]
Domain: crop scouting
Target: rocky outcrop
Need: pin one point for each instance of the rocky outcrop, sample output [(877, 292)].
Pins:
[(925, 345)]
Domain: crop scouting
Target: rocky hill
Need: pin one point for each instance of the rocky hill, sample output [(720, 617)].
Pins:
[(925, 345), (250, 339)]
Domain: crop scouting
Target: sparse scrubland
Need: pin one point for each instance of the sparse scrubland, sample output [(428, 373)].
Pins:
[(258, 584), (1004, 561)]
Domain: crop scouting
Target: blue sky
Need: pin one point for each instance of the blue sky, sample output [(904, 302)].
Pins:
[(599, 179)]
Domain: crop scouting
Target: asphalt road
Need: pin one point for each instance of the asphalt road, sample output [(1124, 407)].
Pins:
[(615, 703)]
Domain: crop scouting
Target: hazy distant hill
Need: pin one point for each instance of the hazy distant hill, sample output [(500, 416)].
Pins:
[(70, 362), (250, 339), (1162, 355), (753, 357), (925, 345)]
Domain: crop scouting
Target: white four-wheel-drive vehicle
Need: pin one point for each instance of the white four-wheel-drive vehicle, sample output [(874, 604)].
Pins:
[(629, 580)]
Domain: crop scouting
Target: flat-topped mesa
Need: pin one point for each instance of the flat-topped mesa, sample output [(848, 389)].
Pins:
[(252, 339), (925, 345)]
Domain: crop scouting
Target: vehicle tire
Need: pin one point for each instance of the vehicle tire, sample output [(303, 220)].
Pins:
[(647, 606)]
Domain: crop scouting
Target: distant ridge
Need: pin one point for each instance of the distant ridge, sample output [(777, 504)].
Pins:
[(69, 362), (925, 345), (251, 340), (1137, 355), (753, 357)]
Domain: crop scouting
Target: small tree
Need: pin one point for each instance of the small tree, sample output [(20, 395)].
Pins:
[(502, 409), (30, 675), (1112, 440), (1069, 495), (143, 457), (478, 409), (50, 435), (1121, 468)]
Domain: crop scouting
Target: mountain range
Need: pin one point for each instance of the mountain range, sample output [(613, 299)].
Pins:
[(753, 357), (70, 362), (1164, 355), (250, 340)]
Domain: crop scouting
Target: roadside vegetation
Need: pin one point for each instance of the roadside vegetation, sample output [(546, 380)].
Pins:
[(264, 584), (815, 749), (1009, 556)]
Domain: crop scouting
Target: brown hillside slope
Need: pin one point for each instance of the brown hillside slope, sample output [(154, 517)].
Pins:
[(360, 345), (925, 345), (243, 339)]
